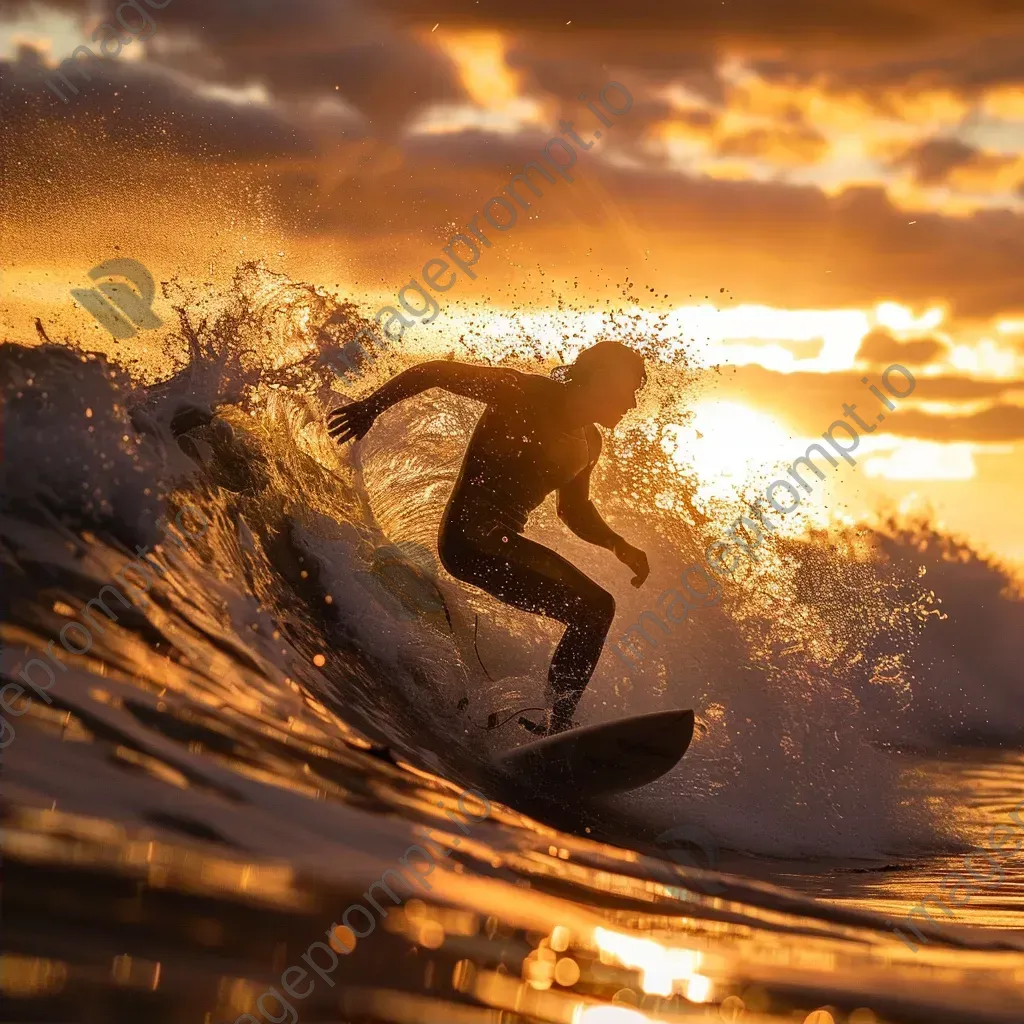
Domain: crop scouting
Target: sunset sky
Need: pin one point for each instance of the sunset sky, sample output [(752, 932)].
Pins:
[(809, 190)]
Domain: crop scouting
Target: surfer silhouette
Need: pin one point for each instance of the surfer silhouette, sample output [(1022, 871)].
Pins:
[(537, 435)]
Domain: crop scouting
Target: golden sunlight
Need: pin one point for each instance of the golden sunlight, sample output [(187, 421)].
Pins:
[(663, 969), (745, 334), (727, 443), (480, 58), (924, 460), (897, 317), (607, 1015)]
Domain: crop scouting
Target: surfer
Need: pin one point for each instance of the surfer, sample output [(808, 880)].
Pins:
[(536, 436)]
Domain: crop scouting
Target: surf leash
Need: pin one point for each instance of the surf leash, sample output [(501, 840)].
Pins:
[(492, 719), (476, 626)]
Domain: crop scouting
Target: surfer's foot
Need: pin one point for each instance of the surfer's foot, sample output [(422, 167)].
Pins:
[(537, 728), (558, 719), (549, 726)]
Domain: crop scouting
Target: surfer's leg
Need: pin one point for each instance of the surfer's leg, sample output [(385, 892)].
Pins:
[(536, 579)]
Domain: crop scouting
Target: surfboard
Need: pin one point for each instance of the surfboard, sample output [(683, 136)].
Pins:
[(608, 758)]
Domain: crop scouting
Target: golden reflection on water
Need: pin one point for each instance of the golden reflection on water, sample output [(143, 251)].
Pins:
[(509, 949), (39, 836), (522, 918), (663, 971), (31, 976)]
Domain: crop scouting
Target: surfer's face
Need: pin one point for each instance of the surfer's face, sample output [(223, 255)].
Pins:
[(611, 397)]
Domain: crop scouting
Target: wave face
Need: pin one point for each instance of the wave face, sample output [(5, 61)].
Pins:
[(283, 693)]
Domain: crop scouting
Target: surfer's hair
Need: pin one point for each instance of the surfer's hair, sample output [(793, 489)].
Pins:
[(605, 358)]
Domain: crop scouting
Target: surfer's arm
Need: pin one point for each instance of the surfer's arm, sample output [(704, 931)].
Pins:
[(580, 514), (575, 508), (490, 384)]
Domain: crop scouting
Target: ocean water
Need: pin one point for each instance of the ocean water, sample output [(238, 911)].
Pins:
[(294, 696)]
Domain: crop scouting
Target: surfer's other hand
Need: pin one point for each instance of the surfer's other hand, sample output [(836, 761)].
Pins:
[(351, 421), (635, 559)]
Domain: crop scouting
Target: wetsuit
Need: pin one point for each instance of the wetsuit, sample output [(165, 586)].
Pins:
[(522, 449), (512, 464)]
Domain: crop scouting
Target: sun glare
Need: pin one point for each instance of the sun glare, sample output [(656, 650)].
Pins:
[(923, 460), (897, 317), (664, 969), (727, 444)]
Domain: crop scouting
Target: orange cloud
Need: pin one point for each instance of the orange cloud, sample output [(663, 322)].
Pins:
[(882, 348), (782, 145)]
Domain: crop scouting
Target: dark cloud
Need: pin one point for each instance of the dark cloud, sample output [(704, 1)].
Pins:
[(882, 348), (966, 62), (300, 50), (796, 246), (597, 57), (378, 57), (700, 120), (934, 160), (768, 241), (165, 112), (834, 22)]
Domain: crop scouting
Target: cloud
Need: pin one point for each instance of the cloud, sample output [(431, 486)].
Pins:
[(766, 241), (809, 348), (835, 22), (300, 50), (782, 244), (780, 145), (932, 160), (1000, 423), (307, 105), (967, 62), (943, 161), (191, 122), (593, 58), (809, 402), (882, 348)]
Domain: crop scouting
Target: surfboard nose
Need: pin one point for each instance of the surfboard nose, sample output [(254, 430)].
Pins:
[(672, 726), (686, 719)]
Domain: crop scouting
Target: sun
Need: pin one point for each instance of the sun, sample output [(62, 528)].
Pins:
[(727, 444)]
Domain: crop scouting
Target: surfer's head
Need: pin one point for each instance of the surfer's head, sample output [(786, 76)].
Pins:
[(606, 378)]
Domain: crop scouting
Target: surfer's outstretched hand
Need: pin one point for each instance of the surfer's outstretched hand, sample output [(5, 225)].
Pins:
[(635, 559), (351, 421)]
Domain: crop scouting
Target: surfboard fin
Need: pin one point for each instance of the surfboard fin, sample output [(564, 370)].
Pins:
[(495, 721)]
